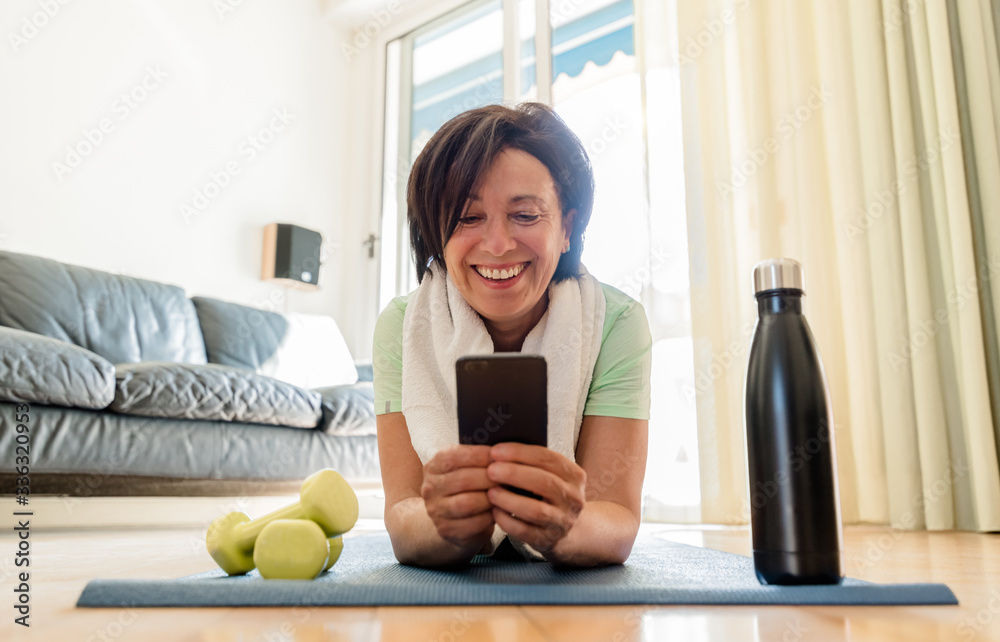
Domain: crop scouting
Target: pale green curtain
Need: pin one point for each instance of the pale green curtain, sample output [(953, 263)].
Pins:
[(860, 138)]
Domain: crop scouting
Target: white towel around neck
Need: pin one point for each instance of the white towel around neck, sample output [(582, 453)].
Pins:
[(439, 326)]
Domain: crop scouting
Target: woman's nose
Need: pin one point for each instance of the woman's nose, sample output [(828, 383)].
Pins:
[(497, 237)]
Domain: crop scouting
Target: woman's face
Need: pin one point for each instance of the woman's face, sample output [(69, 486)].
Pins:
[(508, 242)]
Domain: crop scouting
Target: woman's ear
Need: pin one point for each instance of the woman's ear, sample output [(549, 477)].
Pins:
[(567, 222)]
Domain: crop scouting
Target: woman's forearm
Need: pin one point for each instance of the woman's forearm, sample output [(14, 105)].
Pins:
[(416, 541), (603, 534)]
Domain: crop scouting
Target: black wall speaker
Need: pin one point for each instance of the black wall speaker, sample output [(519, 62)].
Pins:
[(292, 254)]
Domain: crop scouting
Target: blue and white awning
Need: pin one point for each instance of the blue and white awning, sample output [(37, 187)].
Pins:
[(593, 37)]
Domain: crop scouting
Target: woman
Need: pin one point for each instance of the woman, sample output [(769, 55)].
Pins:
[(498, 202)]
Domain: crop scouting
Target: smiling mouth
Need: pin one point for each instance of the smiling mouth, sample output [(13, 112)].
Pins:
[(494, 274)]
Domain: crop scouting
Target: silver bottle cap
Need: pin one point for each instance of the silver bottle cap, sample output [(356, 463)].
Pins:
[(777, 274)]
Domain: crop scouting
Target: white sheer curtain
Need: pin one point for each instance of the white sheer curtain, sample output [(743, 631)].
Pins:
[(860, 138)]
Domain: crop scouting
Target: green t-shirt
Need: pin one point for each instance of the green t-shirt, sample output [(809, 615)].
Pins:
[(619, 388)]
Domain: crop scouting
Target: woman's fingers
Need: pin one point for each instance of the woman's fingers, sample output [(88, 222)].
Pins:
[(456, 470), (530, 510), (539, 524), (455, 457), (559, 482), (464, 494), (461, 531), (460, 481), (540, 457), (454, 492), (460, 506), (550, 488)]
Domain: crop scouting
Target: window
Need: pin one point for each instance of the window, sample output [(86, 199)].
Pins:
[(485, 52)]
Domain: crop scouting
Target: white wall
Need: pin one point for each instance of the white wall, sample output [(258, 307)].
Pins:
[(213, 79), (372, 24)]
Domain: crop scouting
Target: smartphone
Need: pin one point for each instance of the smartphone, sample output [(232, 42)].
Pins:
[(502, 397)]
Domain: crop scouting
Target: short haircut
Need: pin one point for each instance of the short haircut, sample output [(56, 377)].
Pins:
[(460, 154)]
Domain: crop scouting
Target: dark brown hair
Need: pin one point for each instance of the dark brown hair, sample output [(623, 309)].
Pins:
[(459, 154)]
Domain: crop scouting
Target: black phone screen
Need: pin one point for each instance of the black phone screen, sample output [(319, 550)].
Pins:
[(502, 397)]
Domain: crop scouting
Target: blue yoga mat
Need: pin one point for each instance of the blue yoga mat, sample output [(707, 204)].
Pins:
[(367, 574)]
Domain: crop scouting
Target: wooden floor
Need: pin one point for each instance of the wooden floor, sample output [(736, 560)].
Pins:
[(63, 562)]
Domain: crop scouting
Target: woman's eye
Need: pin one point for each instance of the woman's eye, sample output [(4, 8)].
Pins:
[(469, 219), (526, 217)]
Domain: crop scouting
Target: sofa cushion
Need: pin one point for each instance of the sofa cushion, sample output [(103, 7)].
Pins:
[(39, 369), (348, 410), (121, 318), (306, 350), (210, 391)]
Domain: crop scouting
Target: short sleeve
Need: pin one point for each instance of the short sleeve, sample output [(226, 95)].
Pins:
[(387, 358), (620, 387)]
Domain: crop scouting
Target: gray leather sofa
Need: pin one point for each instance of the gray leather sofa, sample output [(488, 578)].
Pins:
[(129, 387)]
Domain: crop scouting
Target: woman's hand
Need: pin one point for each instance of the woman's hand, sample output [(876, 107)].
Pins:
[(560, 483), (454, 490)]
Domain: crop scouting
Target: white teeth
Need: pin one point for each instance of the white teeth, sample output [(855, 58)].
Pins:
[(500, 275)]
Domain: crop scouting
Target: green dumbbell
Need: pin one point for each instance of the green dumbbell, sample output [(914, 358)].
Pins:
[(326, 499), (291, 549), (336, 548)]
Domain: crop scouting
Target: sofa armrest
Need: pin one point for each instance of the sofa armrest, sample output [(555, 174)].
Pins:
[(348, 410), (366, 371)]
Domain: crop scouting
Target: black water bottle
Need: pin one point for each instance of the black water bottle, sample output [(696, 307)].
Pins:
[(794, 502)]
